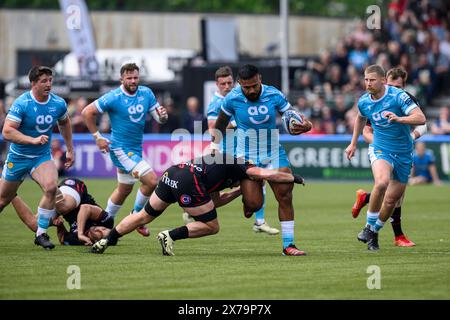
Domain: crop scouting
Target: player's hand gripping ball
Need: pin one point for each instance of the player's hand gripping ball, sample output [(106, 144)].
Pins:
[(293, 122)]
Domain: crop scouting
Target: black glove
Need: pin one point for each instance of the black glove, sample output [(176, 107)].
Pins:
[(298, 179)]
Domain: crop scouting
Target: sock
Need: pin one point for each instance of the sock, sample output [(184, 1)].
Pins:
[(287, 233), (44, 217), (367, 199), (396, 221), (259, 215), (378, 225), (112, 208), (113, 236), (179, 233), (140, 201), (371, 218)]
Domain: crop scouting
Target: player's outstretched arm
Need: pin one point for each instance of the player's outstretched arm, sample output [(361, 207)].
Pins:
[(222, 198), (11, 133), (25, 214), (257, 173)]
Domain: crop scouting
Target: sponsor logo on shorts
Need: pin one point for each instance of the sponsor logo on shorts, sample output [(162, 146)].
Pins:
[(171, 183), (185, 199), (10, 165), (130, 154)]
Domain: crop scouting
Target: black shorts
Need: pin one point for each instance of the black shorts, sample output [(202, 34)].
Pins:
[(182, 186)]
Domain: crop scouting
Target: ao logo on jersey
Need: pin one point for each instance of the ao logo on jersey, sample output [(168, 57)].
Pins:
[(133, 110), (255, 111), (377, 116), (44, 120)]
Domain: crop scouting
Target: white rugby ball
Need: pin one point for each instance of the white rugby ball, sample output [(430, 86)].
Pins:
[(289, 118)]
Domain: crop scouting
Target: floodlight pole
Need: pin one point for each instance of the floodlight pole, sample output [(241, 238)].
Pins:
[(284, 49)]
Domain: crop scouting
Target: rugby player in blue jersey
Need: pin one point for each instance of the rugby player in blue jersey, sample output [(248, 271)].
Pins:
[(29, 126), (391, 112), (395, 77), (254, 107), (225, 83), (127, 107)]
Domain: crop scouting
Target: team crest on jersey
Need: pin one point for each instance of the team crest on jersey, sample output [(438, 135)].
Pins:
[(130, 154), (185, 199), (10, 165), (70, 182)]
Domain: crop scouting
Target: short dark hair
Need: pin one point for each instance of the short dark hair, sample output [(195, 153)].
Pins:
[(247, 72), (396, 73), (224, 71), (37, 71), (375, 68), (128, 67)]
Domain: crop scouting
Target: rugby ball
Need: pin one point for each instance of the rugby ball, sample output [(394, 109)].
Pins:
[(289, 118)]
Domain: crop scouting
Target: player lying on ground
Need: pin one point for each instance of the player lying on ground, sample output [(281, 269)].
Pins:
[(195, 185), (88, 221)]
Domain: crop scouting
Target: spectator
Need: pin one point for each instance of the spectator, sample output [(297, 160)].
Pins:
[(78, 125), (333, 79), (424, 168), (358, 56), (328, 125), (173, 121), (339, 113), (340, 56), (305, 84), (303, 107), (441, 66), (424, 77), (442, 124), (192, 116), (444, 46)]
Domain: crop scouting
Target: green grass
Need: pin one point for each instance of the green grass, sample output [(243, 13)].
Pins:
[(237, 263)]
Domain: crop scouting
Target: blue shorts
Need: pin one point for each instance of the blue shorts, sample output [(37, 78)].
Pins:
[(17, 167), (276, 160), (125, 160), (401, 162)]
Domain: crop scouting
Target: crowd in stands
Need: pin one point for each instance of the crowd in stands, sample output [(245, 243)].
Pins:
[(415, 35)]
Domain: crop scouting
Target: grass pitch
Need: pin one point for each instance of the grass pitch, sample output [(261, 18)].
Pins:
[(237, 263)]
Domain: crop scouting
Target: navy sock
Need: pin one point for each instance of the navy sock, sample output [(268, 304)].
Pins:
[(366, 200), (396, 221), (179, 233)]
